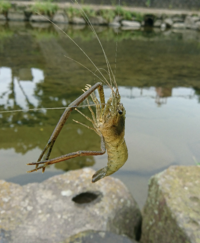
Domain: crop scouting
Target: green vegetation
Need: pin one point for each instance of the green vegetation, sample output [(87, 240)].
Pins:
[(4, 7), (125, 14), (5, 33), (108, 15), (148, 3), (45, 8), (77, 12), (138, 16), (88, 11), (128, 15), (72, 12), (44, 34)]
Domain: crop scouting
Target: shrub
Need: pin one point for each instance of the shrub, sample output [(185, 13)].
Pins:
[(108, 15), (125, 14), (45, 8), (72, 12), (4, 7), (89, 12)]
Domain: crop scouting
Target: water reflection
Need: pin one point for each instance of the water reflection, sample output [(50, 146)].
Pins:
[(158, 76)]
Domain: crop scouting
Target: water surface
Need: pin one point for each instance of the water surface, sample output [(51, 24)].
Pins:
[(158, 77)]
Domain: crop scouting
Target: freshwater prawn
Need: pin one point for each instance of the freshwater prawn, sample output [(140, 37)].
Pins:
[(108, 122)]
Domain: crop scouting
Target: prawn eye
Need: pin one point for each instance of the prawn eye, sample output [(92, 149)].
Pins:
[(120, 112)]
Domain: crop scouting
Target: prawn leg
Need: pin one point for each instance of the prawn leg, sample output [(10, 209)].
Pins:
[(68, 156), (48, 148)]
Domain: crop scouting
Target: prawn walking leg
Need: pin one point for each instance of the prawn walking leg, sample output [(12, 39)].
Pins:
[(68, 156), (48, 148), (109, 124)]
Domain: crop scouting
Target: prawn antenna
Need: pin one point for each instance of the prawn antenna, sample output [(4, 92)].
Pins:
[(110, 72)]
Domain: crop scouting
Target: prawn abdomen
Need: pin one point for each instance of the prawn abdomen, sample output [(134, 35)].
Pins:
[(117, 156)]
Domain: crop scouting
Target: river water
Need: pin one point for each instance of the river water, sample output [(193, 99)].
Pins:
[(159, 80)]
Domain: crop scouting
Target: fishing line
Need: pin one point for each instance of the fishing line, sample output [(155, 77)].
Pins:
[(46, 108)]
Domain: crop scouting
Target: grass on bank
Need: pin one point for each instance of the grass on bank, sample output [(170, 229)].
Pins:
[(4, 6), (45, 8)]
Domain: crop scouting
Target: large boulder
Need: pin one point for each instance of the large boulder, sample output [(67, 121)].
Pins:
[(65, 205), (172, 210)]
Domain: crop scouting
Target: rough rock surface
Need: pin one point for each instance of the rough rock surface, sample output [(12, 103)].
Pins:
[(77, 20), (91, 236), (64, 205), (172, 210)]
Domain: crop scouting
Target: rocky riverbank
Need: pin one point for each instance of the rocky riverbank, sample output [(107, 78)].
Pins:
[(126, 18), (68, 207)]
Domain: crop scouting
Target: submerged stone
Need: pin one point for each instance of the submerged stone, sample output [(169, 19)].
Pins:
[(64, 205), (172, 210)]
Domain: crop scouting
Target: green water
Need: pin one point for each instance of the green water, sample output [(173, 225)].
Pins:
[(158, 77)]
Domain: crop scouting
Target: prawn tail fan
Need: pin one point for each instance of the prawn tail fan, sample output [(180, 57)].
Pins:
[(99, 174)]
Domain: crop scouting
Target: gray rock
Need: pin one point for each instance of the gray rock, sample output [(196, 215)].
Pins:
[(190, 22), (98, 20), (77, 20), (40, 25), (131, 24), (157, 23), (91, 236), (117, 19), (163, 26), (115, 24), (197, 25), (64, 205), (171, 212), (16, 16), (168, 22), (179, 25), (60, 17), (177, 19), (2, 17), (195, 18), (39, 18)]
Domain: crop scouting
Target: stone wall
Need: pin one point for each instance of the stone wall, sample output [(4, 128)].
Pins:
[(136, 18), (168, 4)]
